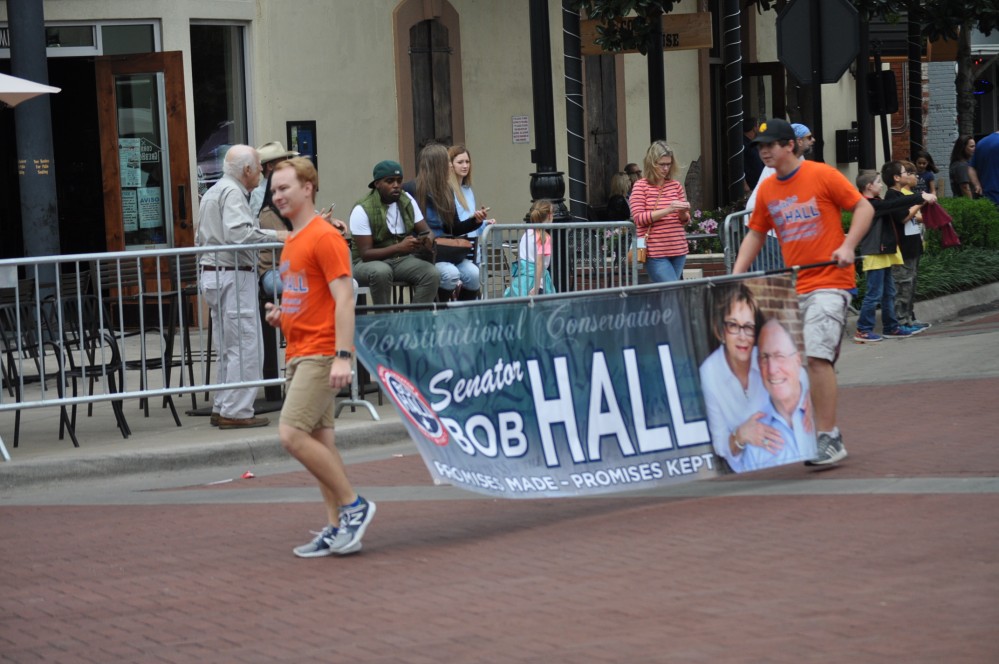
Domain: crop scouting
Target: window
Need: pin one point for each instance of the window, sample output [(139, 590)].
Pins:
[(123, 39), (218, 72)]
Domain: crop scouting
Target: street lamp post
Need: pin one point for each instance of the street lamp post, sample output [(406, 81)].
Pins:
[(547, 182)]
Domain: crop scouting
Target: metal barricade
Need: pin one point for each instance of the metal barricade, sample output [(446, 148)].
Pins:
[(590, 255), (734, 230), (107, 327)]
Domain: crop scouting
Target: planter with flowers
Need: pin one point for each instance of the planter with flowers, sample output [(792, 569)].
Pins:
[(704, 230)]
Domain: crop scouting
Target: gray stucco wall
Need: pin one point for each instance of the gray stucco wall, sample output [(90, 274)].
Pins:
[(941, 121)]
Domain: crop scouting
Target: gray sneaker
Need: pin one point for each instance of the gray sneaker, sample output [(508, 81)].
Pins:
[(353, 522), (319, 546), (830, 450)]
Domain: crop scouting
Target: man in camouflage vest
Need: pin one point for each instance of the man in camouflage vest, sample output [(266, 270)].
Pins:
[(388, 234)]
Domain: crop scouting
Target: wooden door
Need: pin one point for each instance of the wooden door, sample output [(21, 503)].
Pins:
[(146, 166)]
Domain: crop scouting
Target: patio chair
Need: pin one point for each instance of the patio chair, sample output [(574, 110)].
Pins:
[(97, 355), (121, 284), (25, 343)]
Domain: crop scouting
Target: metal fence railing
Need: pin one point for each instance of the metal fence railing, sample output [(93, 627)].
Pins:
[(733, 232), (107, 327), (585, 255)]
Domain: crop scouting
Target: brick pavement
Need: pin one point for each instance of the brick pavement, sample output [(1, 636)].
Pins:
[(768, 578), (884, 559)]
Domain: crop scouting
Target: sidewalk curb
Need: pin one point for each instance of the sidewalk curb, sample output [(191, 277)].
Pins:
[(248, 452), (946, 307)]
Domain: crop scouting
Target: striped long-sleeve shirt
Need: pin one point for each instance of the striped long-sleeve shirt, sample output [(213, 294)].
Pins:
[(665, 236)]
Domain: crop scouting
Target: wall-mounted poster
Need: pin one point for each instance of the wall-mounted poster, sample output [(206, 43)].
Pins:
[(150, 207), (129, 210), (130, 162)]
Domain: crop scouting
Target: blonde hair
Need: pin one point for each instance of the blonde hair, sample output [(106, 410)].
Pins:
[(656, 151), (305, 171), (452, 153), (540, 212), (620, 184)]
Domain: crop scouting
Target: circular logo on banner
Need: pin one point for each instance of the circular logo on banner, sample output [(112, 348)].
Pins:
[(412, 403)]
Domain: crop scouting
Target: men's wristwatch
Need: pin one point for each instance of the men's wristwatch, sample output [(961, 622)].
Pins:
[(345, 354)]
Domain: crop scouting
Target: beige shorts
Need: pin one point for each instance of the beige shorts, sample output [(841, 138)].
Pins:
[(308, 404), (823, 313)]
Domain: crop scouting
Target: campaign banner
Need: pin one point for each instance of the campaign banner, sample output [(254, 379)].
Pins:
[(568, 396)]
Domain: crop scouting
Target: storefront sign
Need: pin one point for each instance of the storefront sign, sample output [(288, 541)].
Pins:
[(680, 32)]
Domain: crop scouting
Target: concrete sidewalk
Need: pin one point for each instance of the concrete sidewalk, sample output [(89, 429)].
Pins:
[(157, 444)]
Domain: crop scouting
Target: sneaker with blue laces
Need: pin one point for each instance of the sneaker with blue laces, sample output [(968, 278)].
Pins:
[(900, 332), (912, 329), (920, 325), (354, 520), (320, 544)]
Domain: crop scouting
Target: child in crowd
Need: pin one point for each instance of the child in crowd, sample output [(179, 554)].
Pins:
[(880, 251), (530, 275), (926, 172), (899, 176)]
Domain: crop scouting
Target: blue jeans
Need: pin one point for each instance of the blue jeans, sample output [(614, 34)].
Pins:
[(880, 289), (466, 272), (666, 268)]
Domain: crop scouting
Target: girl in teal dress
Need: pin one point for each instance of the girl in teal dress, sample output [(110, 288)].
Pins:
[(530, 274)]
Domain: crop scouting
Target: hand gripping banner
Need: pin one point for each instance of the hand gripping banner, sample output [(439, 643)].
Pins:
[(624, 390)]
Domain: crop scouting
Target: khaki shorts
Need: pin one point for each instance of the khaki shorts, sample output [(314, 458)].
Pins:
[(823, 313), (308, 404)]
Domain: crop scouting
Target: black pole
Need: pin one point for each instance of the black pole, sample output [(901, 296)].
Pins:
[(33, 129), (574, 112), (547, 182), (815, 28), (732, 54), (543, 154), (865, 121), (657, 79), (915, 85)]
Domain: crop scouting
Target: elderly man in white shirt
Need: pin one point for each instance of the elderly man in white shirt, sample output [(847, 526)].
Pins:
[(229, 283), (786, 409)]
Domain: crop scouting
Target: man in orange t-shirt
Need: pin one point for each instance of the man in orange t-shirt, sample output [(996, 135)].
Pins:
[(316, 316), (803, 203)]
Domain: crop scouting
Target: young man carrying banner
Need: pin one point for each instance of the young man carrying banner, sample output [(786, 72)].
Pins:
[(803, 203), (317, 318)]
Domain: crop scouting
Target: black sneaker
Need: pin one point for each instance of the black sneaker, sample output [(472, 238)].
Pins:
[(353, 522), (830, 450)]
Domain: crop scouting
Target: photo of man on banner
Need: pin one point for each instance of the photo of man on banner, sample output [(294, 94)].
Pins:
[(754, 383)]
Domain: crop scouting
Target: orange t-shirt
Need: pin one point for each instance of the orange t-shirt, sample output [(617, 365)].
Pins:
[(805, 209), (310, 260)]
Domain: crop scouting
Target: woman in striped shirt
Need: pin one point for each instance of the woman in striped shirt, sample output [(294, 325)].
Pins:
[(660, 209)]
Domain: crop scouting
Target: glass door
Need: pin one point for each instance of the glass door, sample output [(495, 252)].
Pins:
[(142, 151), (146, 171)]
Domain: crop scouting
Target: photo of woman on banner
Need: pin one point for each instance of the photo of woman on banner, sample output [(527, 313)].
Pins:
[(530, 275), (754, 385)]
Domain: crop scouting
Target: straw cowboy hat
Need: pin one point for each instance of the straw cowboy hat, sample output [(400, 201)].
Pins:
[(273, 151)]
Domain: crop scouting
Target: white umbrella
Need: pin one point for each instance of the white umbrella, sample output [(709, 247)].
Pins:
[(14, 90)]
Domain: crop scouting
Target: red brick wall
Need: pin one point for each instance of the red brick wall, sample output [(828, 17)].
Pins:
[(899, 122)]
